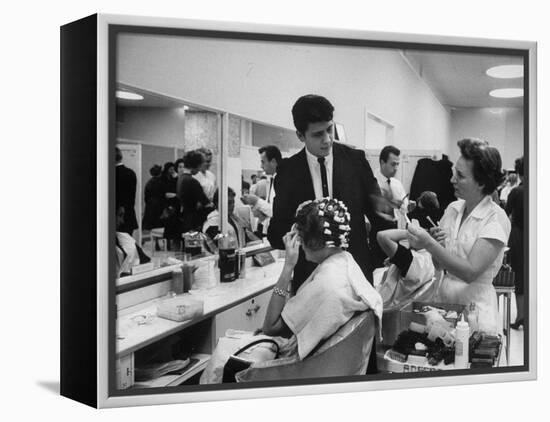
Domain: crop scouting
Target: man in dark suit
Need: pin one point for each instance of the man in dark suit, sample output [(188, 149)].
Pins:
[(125, 191), (323, 168)]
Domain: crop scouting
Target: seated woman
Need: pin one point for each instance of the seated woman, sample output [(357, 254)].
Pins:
[(471, 237), (334, 291), (410, 273)]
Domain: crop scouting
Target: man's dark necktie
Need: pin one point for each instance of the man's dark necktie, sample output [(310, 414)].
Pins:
[(324, 181), (270, 187)]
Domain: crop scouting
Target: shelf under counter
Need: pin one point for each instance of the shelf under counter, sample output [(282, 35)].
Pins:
[(171, 380), (132, 336)]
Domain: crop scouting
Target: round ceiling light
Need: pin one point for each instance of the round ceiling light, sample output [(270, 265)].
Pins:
[(126, 95), (507, 93), (508, 71)]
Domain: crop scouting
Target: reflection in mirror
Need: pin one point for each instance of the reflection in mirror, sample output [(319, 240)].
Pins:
[(261, 149), (166, 175)]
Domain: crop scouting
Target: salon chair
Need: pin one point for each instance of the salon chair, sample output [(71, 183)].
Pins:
[(344, 353)]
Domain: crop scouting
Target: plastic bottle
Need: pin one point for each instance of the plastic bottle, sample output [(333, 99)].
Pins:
[(461, 344)]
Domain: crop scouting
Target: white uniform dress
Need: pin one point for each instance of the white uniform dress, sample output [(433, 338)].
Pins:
[(486, 221)]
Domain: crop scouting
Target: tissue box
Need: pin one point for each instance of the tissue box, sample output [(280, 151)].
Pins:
[(180, 308)]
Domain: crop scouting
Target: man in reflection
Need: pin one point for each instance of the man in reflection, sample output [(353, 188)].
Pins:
[(125, 192), (239, 228), (323, 168), (205, 177), (270, 157)]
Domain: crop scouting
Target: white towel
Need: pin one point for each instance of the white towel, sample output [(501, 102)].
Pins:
[(335, 290)]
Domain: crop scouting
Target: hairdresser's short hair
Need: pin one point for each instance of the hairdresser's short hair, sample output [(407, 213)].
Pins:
[(487, 164)]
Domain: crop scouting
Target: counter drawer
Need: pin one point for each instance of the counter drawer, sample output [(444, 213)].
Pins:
[(247, 316)]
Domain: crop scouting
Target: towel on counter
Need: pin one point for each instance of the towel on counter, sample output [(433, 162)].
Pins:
[(335, 290)]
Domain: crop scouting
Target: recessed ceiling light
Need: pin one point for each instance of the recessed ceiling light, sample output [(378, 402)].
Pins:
[(126, 95), (506, 93), (506, 71)]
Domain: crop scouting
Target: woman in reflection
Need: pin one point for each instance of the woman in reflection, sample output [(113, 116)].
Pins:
[(514, 208), (169, 217), (193, 200), (154, 199), (128, 252), (330, 296), (472, 235)]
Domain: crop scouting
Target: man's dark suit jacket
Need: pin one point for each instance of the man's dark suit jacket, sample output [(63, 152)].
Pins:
[(352, 183), (126, 182)]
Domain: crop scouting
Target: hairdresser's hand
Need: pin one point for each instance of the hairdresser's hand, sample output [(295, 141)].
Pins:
[(418, 237), (292, 248), (438, 235)]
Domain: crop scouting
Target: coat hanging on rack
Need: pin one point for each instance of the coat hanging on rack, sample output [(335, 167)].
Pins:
[(434, 176)]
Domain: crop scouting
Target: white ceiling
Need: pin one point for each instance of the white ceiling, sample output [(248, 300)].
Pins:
[(456, 79), (459, 80)]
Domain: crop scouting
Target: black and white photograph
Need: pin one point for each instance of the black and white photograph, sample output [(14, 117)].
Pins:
[(300, 210), (297, 209)]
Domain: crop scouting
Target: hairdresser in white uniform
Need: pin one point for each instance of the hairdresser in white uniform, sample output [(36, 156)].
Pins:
[(472, 235)]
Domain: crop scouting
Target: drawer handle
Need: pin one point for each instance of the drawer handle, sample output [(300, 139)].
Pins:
[(249, 312), (257, 308)]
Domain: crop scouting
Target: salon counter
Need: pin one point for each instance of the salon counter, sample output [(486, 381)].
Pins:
[(139, 326)]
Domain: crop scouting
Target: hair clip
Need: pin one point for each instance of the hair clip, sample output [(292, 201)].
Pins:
[(329, 207), (326, 224), (343, 227), (321, 213), (321, 205), (327, 231)]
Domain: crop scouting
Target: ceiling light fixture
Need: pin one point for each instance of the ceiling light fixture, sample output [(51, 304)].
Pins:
[(506, 93), (126, 95), (508, 71)]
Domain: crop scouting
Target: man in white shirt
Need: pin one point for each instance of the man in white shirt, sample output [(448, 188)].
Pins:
[(391, 188), (270, 157), (205, 177)]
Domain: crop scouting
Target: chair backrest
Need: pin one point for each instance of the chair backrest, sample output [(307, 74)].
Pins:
[(345, 353)]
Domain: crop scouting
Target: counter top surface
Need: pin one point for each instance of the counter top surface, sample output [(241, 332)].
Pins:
[(140, 326)]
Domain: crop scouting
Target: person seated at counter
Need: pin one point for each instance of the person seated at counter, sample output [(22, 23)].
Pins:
[(128, 252), (238, 227), (427, 209), (330, 296), (409, 273)]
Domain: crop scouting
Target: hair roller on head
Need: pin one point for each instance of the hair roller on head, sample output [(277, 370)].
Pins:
[(323, 223)]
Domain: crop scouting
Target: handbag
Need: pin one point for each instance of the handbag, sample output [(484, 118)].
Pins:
[(236, 364)]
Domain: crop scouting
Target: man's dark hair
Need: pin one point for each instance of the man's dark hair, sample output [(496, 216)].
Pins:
[(230, 192), (193, 159), (311, 109), (387, 150), (118, 155), (271, 152), (518, 166), (487, 164)]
